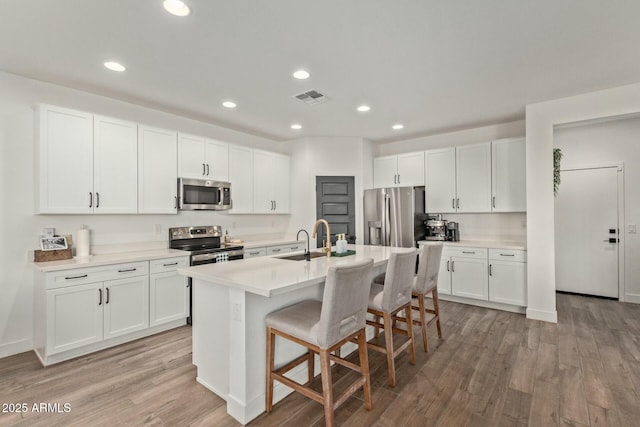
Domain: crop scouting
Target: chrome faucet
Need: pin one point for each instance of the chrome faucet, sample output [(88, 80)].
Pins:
[(307, 254), (327, 246)]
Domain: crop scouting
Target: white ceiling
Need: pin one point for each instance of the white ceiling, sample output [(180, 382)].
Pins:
[(433, 65)]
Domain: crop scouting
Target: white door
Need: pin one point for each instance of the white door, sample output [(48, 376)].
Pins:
[(440, 180), (469, 278), (241, 178), (473, 178), (586, 217), (507, 282), (157, 171), (508, 175), (264, 169), (282, 184), (444, 276), (168, 298), (115, 172), (217, 160), (126, 306), (410, 169), (191, 161), (385, 170)]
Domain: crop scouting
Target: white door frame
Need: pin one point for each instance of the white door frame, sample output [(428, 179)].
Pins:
[(621, 224)]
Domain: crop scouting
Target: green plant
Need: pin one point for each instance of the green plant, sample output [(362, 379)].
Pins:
[(557, 156)]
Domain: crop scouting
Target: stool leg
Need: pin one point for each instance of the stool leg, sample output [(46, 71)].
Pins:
[(311, 366), (271, 342), (412, 346), (423, 322), (388, 343), (364, 369), (327, 386), (376, 330), (436, 308)]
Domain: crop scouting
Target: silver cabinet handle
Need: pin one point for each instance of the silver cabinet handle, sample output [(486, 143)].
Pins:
[(90, 199), (128, 270), (452, 265), (468, 252), (170, 264), (107, 299), (493, 202), (99, 296), (448, 265), (75, 277), (457, 203), (398, 178), (207, 169), (453, 203), (175, 202), (275, 205), (490, 273), (507, 255), (276, 250), (254, 253), (203, 169), (97, 200)]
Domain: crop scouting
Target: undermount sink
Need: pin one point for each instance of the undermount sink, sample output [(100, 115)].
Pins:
[(300, 257)]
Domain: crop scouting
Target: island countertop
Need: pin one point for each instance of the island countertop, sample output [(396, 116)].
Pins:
[(270, 276)]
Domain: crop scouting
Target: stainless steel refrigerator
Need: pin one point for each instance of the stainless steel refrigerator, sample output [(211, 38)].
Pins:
[(394, 216)]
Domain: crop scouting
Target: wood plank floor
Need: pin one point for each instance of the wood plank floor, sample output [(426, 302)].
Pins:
[(492, 369)]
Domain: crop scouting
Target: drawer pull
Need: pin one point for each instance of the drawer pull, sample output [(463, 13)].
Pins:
[(295, 248), (127, 270), (276, 250), (170, 264), (254, 253), (507, 255), (468, 252), (75, 277)]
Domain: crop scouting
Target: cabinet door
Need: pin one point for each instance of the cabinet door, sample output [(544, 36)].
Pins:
[(282, 183), (241, 178), (507, 282), (115, 172), (254, 253), (66, 161), (473, 178), (508, 175), (444, 276), (469, 278), (126, 306), (74, 317), (264, 170), (217, 160), (440, 180), (411, 169), (168, 298), (191, 159), (385, 170), (157, 171)]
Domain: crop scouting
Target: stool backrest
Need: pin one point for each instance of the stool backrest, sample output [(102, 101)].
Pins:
[(428, 267), (398, 281), (345, 301)]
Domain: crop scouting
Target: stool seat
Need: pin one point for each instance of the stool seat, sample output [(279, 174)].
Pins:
[(375, 297), (300, 320)]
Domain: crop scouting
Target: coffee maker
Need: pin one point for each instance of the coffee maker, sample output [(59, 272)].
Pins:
[(436, 228), (453, 235)]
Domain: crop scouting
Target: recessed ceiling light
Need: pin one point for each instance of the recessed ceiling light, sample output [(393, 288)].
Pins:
[(176, 7), (114, 66), (364, 108), (397, 126), (296, 126), (229, 104), (301, 74)]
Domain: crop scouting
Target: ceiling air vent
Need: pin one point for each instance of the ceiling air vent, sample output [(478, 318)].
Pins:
[(311, 97)]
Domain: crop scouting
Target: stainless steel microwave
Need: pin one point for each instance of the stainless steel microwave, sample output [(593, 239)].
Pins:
[(203, 194)]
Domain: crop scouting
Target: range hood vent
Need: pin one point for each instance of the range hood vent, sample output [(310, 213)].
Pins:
[(311, 97)]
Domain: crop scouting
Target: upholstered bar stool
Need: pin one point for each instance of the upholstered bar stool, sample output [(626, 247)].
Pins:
[(425, 282), (386, 301), (323, 327)]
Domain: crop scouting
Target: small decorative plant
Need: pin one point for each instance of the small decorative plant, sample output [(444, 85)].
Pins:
[(557, 156)]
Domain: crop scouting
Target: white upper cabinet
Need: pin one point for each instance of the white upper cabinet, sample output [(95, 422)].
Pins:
[(440, 180), (88, 164), (202, 158), (458, 179), (399, 171), (241, 178), (509, 189), (157, 171), (115, 172), (473, 178), (66, 161), (271, 182)]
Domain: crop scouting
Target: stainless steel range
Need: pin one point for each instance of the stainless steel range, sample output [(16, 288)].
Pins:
[(204, 245)]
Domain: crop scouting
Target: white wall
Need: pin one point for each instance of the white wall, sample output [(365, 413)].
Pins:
[(20, 226), (611, 141), (540, 122), (330, 156)]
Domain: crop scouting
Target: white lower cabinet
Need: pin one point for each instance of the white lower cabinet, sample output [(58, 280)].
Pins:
[(444, 276), (508, 277), (465, 272), (255, 252), (168, 291), (81, 310), (274, 250)]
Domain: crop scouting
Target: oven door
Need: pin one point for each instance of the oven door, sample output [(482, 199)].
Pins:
[(215, 257), (200, 194)]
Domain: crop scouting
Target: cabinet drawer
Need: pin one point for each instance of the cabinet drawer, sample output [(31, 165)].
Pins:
[(295, 247), (465, 252), (167, 264), (81, 276), (278, 250), (507, 255), (255, 252)]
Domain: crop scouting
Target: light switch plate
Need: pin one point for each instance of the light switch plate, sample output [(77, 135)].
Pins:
[(48, 232), (631, 228)]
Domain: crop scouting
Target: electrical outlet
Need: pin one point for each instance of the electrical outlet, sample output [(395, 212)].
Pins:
[(631, 228)]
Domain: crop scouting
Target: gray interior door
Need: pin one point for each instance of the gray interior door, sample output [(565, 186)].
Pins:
[(335, 202)]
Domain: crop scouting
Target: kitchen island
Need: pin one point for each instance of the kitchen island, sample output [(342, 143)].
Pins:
[(230, 302)]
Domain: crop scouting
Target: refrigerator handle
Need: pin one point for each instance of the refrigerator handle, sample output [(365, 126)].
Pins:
[(385, 222)]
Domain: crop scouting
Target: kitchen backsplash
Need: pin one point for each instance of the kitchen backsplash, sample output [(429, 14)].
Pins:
[(491, 226)]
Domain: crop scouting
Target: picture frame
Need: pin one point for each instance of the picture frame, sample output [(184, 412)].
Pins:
[(53, 243)]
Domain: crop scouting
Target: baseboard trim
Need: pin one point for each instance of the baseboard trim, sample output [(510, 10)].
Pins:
[(545, 316), (632, 298), (15, 347)]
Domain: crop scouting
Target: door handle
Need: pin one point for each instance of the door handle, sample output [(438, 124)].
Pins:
[(453, 203), (207, 169), (99, 296), (490, 270), (107, 299), (203, 169), (611, 240), (90, 199), (97, 200), (175, 202), (448, 265), (493, 202), (457, 203), (452, 265), (398, 178), (275, 205)]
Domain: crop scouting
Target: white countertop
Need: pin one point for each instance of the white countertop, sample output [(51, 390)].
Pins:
[(263, 243), (269, 276), (489, 244), (106, 259)]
